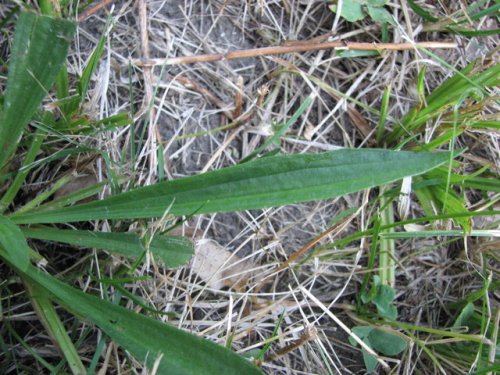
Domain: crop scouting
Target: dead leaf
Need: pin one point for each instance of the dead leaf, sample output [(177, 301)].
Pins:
[(218, 267)]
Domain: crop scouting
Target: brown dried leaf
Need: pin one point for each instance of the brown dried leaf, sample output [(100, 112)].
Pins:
[(218, 267)]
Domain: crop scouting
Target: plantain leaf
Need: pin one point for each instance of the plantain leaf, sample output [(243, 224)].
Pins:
[(38, 53), (266, 182), (386, 343), (146, 339), (169, 250), (16, 250)]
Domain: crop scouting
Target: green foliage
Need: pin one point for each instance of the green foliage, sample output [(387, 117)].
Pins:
[(167, 250), (266, 182), (145, 338), (13, 245), (382, 296), (459, 23), (37, 39), (39, 52), (389, 344), (453, 108), (357, 10)]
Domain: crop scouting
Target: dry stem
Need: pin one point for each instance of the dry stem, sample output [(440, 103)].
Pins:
[(267, 51)]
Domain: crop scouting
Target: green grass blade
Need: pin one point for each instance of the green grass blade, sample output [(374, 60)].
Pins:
[(266, 182), (421, 12), (442, 233), (387, 254), (384, 107), (18, 181), (48, 316), (84, 82), (38, 53), (145, 338), (481, 183), (13, 243), (282, 130), (169, 250)]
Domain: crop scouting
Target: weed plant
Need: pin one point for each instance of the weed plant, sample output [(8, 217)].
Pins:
[(44, 123)]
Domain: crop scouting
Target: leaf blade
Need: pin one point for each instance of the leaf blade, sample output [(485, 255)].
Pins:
[(14, 244), (173, 251), (146, 338), (257, 184), (38, 53)]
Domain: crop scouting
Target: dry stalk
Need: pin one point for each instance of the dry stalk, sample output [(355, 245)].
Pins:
[(342, 224), (295, 48), (154, 136), (97, 6)]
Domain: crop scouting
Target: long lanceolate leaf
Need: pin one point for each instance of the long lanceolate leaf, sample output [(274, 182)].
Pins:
[(13, 243), (169, 250), (266, 182), (38, 53), (146, 339)]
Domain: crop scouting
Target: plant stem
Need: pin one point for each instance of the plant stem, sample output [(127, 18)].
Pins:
[(387, 248), (277, 50)]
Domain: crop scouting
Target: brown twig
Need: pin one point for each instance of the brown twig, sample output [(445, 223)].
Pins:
[(154, 133), (93, 9), (341, 224), (267, 51)]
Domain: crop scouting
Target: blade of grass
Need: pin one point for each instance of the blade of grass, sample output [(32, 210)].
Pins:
[(421, 12), (384, 106), (282, 130), (168, 250), (46, 194), (387, 248), (38, 53), (441, 233), (14, 187), (15, 248), (366, 233), (50, 320), (145, 338), (266, 182), (29, 349)]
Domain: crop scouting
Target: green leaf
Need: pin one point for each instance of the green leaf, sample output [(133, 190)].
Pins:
[(274, 139), (383, 301), (92, 64), (362, 332), (352, 10), (421, 12), (14, 244), (266, 182), (145, 338), (376, 3), (169, 250), (380, 15), (38, 53), (386, 343), (463, 318), (370, 362)]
